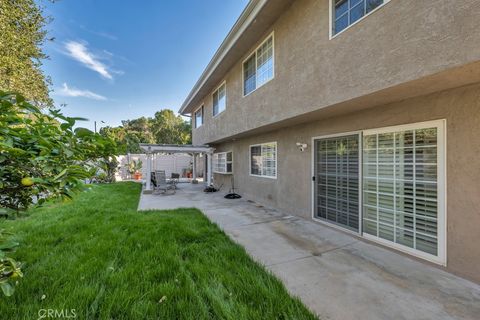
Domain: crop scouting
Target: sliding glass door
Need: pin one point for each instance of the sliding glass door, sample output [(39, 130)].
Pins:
[(337, 180), (402, 180), (402, 202)]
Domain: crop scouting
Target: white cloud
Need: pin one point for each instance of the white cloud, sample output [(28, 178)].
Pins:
[(73, 92), (79, 52)]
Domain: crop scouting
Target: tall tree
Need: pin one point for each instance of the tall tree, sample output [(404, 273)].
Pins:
[(170, 129), (139, 129), (22, 34), (164, 128)]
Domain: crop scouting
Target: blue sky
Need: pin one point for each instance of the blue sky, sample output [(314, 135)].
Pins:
[(114, 60)]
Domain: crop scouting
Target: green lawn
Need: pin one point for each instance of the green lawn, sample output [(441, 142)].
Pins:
[(101, 257)]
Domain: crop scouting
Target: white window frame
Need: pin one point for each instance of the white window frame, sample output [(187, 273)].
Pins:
[(254, 53), (250, 160), (226, 162), (195, 116), (224, 83), (332, 19), (441, 258)]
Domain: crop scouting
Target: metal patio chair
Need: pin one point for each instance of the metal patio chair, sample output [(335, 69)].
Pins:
[(175, 179), (162, 185)]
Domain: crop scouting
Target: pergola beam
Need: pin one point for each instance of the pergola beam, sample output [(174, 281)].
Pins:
[(169, 148)]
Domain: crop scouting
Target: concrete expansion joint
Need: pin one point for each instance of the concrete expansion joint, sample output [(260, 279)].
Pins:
[(289, 261), (312, 255), (259, 222), (337, 248)]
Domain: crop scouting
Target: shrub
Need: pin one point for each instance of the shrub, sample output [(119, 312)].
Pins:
[(42, 156)]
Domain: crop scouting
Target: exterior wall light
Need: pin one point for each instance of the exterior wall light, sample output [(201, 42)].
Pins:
[(302, 146)]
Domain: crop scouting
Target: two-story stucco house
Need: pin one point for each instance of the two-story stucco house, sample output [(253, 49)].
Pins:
[(360, 114)]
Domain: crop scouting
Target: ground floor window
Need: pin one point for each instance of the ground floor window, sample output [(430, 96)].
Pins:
[(402, 186), (263, 160), (223, 162)]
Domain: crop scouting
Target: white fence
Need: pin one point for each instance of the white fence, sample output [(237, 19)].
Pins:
[(172, 163)]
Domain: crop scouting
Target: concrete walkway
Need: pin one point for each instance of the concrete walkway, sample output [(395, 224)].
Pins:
[(336, 275)]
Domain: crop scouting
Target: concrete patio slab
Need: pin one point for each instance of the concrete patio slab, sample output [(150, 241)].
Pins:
[(336, 275)]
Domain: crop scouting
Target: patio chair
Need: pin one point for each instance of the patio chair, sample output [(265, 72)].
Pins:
[(161, 183), (175, 179), (152, 179)]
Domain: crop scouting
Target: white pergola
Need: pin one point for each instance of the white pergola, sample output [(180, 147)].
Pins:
[(151, 149)]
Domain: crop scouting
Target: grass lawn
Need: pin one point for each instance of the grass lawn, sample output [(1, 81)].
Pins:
[(101, 257)]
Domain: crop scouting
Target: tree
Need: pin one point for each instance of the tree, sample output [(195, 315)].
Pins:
[(164, 128), (127, 142), (102, 151), (170, 129), (9, 268), (41, 157), (22, 35)]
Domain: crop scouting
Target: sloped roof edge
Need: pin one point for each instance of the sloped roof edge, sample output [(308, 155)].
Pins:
[(246, 18)]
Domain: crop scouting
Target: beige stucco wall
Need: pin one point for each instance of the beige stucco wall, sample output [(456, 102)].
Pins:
[(402, 41), (291, 191)]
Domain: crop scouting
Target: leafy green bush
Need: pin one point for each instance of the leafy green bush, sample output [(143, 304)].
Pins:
[(134, 166), (42, 156), (9, 268)]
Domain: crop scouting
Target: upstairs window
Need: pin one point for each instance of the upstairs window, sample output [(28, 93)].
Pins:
[(263, 160), (347, 12), (223, 162), (258, 69), (220, 99), (199, 117)]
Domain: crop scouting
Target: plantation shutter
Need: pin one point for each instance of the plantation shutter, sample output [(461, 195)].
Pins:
[(400, 187)]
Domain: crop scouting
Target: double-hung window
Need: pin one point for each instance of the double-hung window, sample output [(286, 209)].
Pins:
[(219, 99), (223, 162), (263, 160), (199, 117), (347, 12), (258, 69)]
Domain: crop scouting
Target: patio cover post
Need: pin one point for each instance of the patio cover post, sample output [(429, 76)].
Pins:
[(194, 168), (209, 169), (148, 185)]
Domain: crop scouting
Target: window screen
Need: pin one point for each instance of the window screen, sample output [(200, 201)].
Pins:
[(258, 69), (219, 100), (347, 12), (263, 160), (249, 75), (199, 117), (223, 162), (337, 180)]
